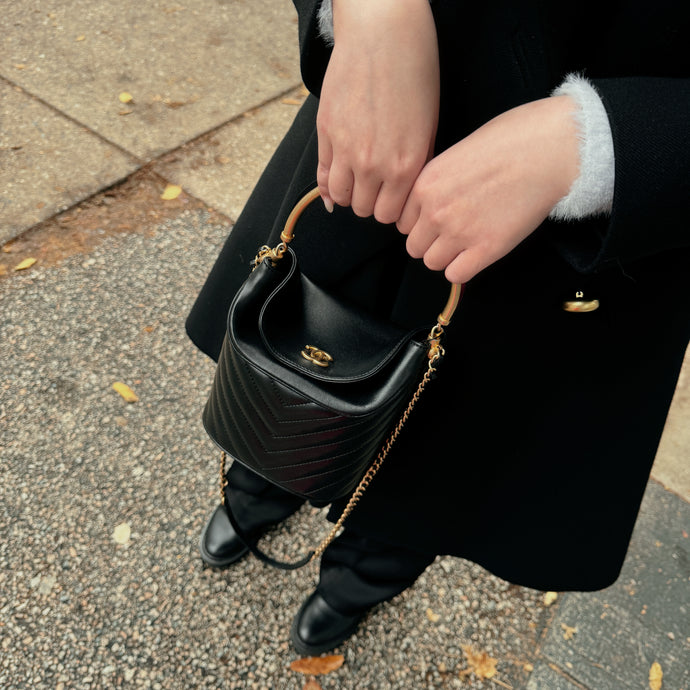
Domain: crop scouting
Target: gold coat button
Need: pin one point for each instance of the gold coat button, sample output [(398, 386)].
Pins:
[(580, 304)]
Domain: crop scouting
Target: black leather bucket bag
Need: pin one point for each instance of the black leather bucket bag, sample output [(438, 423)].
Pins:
[(311, 392)]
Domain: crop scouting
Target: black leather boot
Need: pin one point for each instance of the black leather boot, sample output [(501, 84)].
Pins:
[(319, 628), (219, 544)]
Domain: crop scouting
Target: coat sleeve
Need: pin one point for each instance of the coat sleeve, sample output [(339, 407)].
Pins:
[(651, 138), (314, 52), (651, 201)]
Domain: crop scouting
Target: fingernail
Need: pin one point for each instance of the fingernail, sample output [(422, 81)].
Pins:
[(328, 204)]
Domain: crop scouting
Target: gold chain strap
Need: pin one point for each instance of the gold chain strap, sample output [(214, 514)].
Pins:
[(434, 354), (223, 478)]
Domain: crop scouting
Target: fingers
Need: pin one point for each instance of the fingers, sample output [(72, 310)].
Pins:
[(364, 195), (440, 251), (368, 195), (465, 266), (409, 216), (341, 184), (323, 169), (335, 181), (391, 200), (369, 190)]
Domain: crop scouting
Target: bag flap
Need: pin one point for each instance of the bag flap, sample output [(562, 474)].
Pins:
[(299, 314)]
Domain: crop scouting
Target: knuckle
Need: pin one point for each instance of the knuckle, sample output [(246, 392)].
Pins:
[(385, 217), (434, 263), (436, 217), (361, 211), (341, 197), (412, 248), (407, 168)]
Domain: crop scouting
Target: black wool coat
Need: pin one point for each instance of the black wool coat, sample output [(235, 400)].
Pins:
[(530, 452)]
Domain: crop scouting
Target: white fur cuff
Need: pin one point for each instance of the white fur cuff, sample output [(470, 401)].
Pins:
[(592, 192)]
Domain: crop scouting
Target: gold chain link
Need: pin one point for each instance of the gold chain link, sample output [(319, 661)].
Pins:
[(223, 478)]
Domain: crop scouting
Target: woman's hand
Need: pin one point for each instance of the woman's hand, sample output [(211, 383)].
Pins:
[(478, 200), (378, 110)]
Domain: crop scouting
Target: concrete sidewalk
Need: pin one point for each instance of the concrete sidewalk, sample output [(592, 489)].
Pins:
[(213, 85)]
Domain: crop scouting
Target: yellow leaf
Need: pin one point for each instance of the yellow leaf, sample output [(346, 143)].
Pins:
[(125, 97), (433, 617), (655, 676), (568, 632), (27, 263), (172, 191), (80, 38), (318, 665), (549, 598), (528, 667), (126, 392), (479, 663), (122, 533)]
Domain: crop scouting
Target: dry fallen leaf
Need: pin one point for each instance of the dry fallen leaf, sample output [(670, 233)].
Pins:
[(126, 392), (80, 38), (172, 191), (317, 665), (479, 663), (27, 263), (549, 598), (433, 617), (568, 632), (122, 533), (655, 676), (290, 101), (125, 97)]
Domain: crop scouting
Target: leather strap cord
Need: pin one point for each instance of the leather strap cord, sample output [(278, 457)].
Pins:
[(251, 544)]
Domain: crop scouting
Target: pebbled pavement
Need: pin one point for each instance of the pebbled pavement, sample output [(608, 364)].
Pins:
[(102, 502), (79, 609)]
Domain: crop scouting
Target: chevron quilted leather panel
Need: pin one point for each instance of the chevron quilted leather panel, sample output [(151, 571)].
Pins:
[(293, 439)]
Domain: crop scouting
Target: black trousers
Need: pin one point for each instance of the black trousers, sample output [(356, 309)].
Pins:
[(357, 572)]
